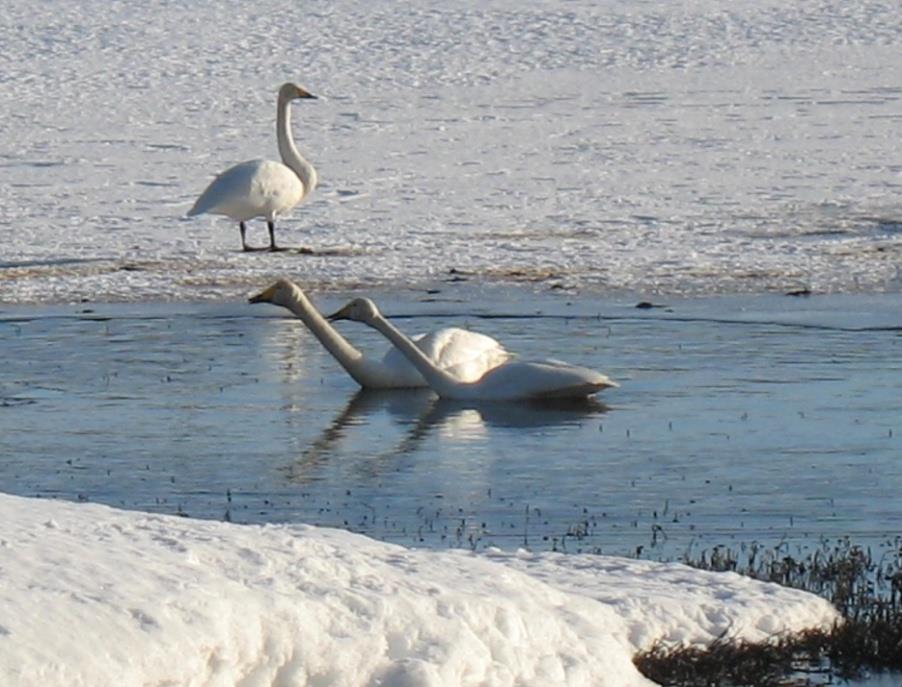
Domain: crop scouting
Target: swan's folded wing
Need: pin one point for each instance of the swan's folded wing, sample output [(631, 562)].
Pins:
[(256, 188), (463, 354), (230, 193)]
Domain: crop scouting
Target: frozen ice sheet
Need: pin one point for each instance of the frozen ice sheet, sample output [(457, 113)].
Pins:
[(687, 148)]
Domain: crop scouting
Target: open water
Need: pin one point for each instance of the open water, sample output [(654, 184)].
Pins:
[(739, 420)]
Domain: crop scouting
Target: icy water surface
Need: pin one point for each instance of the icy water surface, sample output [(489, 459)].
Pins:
[(698, 147), (738, 420)]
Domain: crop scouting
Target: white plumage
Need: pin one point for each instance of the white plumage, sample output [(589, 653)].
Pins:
[(462, 354), (263, 188), (510, 381)]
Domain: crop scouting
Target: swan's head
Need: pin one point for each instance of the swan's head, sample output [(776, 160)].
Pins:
[(358, 310), (280, 293), (291, 91)]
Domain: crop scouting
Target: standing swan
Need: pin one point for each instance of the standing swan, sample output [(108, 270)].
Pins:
[(263, 188), (510, 381), (462, 354)]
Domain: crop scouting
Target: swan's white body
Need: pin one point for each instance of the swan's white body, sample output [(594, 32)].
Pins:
[(256, 188), (460, 353), (263, 188), (510, 381)]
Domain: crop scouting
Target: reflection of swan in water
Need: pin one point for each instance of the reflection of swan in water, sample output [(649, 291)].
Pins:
[(461, 353), (511, 381), (423, 414), (366, 402)]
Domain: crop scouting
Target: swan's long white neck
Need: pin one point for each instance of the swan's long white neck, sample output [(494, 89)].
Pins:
[(289, 152), (347, 356), (441, 382)]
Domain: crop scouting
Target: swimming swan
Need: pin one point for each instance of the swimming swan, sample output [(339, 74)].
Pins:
[(510, 381), (263, 188), (460, 353)]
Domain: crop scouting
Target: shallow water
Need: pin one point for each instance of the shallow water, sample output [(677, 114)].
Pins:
[(739, 420)]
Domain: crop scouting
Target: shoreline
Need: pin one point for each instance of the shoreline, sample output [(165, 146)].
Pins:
[(849, 311)]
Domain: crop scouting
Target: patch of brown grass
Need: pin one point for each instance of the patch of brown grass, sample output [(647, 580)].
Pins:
[(866, 590)]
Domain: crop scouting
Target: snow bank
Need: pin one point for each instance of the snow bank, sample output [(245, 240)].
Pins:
[(90, 595)]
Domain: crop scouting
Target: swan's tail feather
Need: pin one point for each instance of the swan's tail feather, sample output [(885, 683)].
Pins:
[(201, 205)]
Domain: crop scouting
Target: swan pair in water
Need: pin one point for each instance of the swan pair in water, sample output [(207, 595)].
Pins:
[(263, 188), (456, 363)]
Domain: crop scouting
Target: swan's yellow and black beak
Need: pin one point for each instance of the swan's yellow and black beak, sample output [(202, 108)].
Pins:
[(305, 94), (264, 296), (341, 314)]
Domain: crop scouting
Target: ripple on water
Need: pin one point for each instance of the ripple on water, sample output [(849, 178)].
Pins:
[(232, 412)]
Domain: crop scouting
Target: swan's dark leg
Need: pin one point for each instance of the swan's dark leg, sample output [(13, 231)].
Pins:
[(272, 235), (243, 229)]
